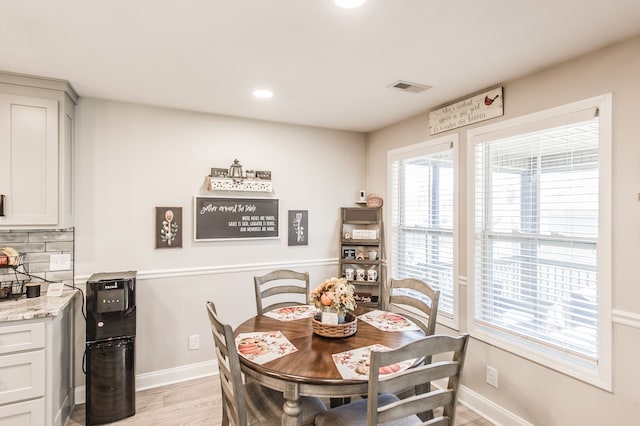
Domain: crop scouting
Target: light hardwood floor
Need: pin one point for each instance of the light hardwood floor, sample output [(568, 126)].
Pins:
[(197, 402)]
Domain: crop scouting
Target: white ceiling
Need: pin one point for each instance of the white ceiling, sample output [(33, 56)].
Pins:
[(329, 67)]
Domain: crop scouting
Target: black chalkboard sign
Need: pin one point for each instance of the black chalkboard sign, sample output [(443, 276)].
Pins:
[(220, 218)]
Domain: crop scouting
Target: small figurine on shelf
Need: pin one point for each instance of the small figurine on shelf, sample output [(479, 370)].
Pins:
[(235, 171)]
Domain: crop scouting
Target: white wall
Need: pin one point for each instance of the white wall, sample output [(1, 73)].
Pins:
[(529, 392), (131, 158)]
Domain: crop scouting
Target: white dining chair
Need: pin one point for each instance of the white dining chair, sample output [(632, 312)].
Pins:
[(383, 406), (248, 404)]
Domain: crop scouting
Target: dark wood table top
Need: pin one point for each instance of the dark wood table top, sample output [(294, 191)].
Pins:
[(312, 363)]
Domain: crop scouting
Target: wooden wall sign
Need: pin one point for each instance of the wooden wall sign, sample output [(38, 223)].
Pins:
[(481, 107), (226, 218)]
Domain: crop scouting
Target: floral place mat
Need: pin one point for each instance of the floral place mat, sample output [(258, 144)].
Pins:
[(291, 313), (388, 321), (262, 347), (354, 364)]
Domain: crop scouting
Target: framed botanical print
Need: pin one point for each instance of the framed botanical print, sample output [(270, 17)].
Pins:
[(298, 227), (168, 228)]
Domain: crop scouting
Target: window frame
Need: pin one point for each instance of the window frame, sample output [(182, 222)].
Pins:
[(420, 149), (600, 373)]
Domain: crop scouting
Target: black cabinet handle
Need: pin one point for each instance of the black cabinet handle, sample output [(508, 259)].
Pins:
[(1, 204)]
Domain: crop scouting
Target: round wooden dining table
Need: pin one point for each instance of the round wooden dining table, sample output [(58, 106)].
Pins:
[(310, 370)]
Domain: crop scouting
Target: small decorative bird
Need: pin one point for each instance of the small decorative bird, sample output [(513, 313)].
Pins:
[(488, 101)]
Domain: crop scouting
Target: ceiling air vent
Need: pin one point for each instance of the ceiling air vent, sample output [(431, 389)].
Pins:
[(405, 86)]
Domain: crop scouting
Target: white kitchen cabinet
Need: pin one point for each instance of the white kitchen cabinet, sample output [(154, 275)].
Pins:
[(22, 376), (36, 152), (36, 370), (26, 413)]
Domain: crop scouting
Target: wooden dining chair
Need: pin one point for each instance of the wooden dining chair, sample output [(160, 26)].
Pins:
[(249, 403), (281, 288), (416, 300), (383, 406)]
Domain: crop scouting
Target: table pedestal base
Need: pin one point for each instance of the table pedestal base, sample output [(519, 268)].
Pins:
[(292, 409)]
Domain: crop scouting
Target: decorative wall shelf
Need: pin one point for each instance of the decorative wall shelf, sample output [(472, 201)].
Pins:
[(245, 185)]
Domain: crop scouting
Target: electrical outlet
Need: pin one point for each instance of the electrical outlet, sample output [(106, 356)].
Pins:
[(60, 262), (492, 376), (194, 342)]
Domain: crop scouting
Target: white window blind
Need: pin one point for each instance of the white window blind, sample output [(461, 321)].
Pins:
[(536, 213), (422, 210)]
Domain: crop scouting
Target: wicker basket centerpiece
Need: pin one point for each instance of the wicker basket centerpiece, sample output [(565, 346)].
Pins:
[(345, 329), (336, 295)]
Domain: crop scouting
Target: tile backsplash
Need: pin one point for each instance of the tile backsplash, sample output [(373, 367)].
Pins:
[(37, 246)]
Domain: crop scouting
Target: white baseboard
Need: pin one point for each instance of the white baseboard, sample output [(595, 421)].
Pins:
[(163, 377), (488, 409)]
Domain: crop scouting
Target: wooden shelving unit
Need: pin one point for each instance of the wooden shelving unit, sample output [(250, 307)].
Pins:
[(362, 235)]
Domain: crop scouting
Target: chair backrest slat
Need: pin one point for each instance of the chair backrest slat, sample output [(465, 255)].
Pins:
[(291, 285), (421, 374), (415, 299)]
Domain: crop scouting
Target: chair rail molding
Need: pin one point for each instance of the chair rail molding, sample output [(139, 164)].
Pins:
[(223, 269), (626, 318)]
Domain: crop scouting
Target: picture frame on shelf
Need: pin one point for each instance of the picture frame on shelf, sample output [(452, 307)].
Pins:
[(362, 297), (219, 172), (263, 174), (349, 253), (364, 234)]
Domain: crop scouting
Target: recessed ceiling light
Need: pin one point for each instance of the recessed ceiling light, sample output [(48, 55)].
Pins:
[(263, 93), (349, 4)]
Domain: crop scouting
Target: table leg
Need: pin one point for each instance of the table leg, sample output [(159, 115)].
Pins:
[(292, 409)]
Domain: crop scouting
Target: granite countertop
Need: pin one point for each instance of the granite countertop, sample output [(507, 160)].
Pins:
[(36, 307)]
